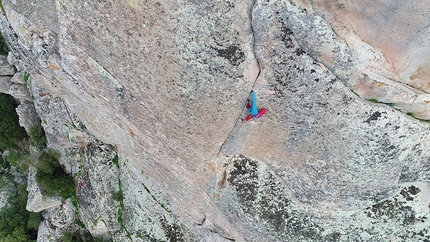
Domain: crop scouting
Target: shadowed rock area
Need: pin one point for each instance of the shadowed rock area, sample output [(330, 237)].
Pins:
[(145, 100)]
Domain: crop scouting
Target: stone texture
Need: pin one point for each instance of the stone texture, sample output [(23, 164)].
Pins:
[(61, 216), (36, 202), (267, 200), (377, 49), (6, 192), (159, 88), (39, 12), (48, 233), (5, 84), (6, 69), (27, 115), (403, 43), (97, 182)]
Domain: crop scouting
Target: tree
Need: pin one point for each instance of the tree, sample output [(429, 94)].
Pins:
[(10, 130), (4, 49), (37, 137), (15, 219), (51, 176)]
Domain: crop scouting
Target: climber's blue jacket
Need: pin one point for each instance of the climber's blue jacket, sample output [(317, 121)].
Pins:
[(254, 109)]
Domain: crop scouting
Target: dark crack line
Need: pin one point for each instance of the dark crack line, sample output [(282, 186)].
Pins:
[(239, 119)]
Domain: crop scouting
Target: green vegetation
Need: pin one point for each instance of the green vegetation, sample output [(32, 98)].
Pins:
[(155, 199), (4, 49), (20, 159), (340, 6), (16, 223), (10, 131), (79, 222), (355, 92), (115, 161), (5, 177), (34, 221), (118, 196), (374, 100), (26, 76), (13, 157), (37, 137), (52, 178), (422, 120)]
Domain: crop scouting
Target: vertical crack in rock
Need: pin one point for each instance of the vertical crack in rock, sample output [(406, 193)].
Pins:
[(239, 121)]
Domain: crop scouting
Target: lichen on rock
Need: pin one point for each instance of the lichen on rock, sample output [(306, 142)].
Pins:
[(144, 101)]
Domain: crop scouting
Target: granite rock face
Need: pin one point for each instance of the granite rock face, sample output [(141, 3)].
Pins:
[(144, 101), (36, 201), (378, 49)]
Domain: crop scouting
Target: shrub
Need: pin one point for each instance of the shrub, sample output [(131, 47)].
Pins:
[(13, 157), (115, 161), (118, 196), (33, 221), (4, 49), (10, 130), (52, 178), (16, 223), (20, 159), (37, 137), (26, 77), (48, 162)]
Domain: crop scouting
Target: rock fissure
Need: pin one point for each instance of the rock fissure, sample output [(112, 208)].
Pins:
[(239, 120), (154, 78), (163, 206)]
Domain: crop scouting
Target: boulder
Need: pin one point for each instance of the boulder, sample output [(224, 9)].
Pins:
[(61, 216), (6, 69), (48, 233), (18, 77), (36, 202), (28, 117), (5, 84)]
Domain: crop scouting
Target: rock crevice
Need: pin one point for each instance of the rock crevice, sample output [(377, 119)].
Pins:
[(144, 102)]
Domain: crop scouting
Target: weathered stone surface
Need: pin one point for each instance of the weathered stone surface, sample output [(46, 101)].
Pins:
[(313, 116), (5, 192), (6, 69), (48, 233), (268, 203), (97, 188), (39, 12), (36, 202), (18, 77), (61, 216), (27, 115), (5, 84), (162, 86), (19, 91), (402, 41), (368, 46)]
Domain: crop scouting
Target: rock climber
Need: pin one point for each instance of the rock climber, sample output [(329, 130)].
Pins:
[(252, 108)]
